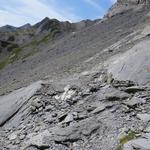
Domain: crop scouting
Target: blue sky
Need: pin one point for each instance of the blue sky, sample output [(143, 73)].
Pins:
[(19, 12)]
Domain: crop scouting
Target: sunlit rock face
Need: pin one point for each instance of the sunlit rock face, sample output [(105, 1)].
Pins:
[(123, 5), (133, 1)]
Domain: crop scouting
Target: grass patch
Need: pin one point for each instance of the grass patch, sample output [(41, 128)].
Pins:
[(14, 55), (3, 64), (49, 36), (28, 54), (11, 58), (119, 147), (123, 140)]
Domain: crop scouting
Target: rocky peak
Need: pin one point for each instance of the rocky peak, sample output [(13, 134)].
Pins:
[(123, 5), (133, 2)]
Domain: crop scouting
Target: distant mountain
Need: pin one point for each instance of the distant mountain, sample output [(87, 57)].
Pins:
[(7, 28)]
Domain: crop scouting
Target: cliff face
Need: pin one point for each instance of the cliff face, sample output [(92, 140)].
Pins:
[(124, 5)]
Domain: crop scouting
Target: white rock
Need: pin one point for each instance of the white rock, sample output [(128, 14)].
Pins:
[(99, 109), (68, 93), (13, 136), (38, 140), (69, 118), (144, 117)]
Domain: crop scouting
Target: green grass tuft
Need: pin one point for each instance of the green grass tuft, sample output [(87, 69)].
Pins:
[(14, 55), (123, 140), (3, 64), (11, 58)]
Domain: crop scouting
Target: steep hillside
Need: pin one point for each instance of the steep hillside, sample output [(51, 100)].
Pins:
[(92, 86), (46, 55)]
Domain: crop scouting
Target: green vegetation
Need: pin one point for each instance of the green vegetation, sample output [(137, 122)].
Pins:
[(14, 55), (123, 140), (29, 54), (3, 64), (33, 44), (10, 59), (49, 36), (119, 147)]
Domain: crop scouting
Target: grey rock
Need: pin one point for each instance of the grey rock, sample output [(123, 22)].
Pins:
[(141, 144), (48, 108), (122, 69), (99, 109), (114, 95), (22, 137), (69, 118), (11, 103), (38, 140), (134, 101), (144, 117), (75, 131), (12, 136), (134, 89)]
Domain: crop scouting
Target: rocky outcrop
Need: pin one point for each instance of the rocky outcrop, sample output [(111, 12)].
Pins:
[(123, 5), (11, 104), (49, 117), (132, 65)]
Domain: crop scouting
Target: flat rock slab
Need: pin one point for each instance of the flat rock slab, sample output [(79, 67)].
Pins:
[(140, 144), (132, 65), (144, 117), (113, 94), (11, 103), (134, 89), (38, 140), (99, 109), (134, 101), (75, 131)]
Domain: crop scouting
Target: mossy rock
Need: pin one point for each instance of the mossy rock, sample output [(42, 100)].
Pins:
[(126, 138)]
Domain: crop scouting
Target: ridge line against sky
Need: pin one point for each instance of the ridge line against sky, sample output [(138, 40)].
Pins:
[(20, 12)]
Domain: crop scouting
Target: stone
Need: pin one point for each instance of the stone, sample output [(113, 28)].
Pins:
[(22, 137), (90, 108), (134, 101), (11, 103), (99, 109), (75, 131), (134, 89), (36, 103), (12, 136), (144, 117), (140, 143), (82, 116), (37, 129), (123, 67), (68, 119), (68, 93), (48, 108), (38, 140), (109, 78), (114, 95)]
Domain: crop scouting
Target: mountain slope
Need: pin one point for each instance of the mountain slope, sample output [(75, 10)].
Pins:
[(46, 57), (94, 93)]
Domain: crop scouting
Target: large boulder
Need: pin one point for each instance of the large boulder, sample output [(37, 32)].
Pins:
[(11, 103), (132, 65)]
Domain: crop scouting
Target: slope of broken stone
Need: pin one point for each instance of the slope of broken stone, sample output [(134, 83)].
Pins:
[(11, 103)]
